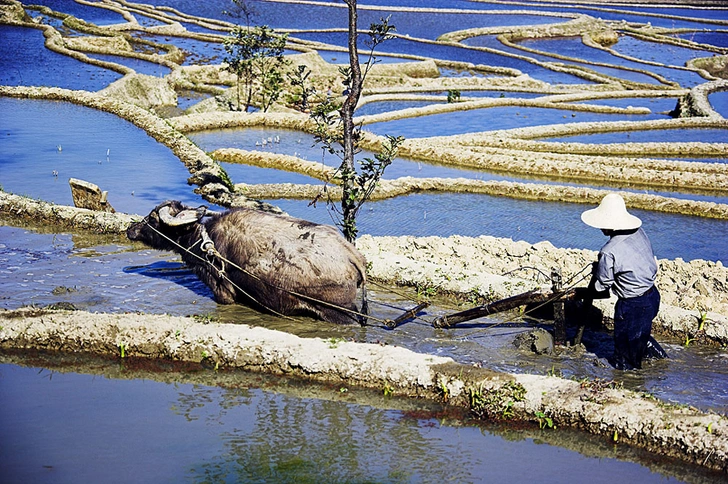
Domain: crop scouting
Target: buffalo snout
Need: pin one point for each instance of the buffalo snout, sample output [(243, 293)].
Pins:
[(134, 231)]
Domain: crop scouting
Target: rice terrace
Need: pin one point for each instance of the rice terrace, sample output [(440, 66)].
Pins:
[(456, 158)]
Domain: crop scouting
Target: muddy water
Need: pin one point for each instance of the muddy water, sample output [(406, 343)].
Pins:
[(109, 275)]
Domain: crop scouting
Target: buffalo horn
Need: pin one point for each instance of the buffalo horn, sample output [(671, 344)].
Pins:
[(183, 218)]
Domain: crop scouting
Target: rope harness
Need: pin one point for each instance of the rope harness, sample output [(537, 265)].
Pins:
[(211, 255)]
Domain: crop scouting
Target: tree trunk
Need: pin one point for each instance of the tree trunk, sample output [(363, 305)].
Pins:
[(348, 171), (238, 90)]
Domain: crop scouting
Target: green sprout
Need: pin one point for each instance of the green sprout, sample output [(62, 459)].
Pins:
[(703, 319), (544, 421), (334, 342)]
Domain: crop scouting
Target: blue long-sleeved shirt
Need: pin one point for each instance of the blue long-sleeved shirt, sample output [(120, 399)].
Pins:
[(627, 265)]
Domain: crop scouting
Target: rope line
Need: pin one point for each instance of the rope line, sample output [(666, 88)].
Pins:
[(208, 246), (212, 252)]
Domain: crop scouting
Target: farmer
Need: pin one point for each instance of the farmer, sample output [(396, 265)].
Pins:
[(628, 267)]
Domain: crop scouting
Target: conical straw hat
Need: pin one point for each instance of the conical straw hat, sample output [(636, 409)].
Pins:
[(611, 214)]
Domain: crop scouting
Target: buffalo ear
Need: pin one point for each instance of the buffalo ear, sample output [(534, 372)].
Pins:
[(185, 217)]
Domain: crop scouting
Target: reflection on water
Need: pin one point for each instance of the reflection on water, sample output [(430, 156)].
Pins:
[(660, 106), (242, 428), (197, 52), (719, 101), (473, 215), (648, 51), (488, 119), (46, 142), (380, 107), (139, 65), (22, 54), (683, 135), (667, 54), (719, 39), (161, 433), (89, 13), (139, 173)]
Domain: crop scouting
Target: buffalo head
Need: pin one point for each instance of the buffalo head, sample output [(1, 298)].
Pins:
[(168, 222)]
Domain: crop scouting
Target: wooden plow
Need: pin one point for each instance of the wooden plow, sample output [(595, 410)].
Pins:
[(536, 296), (556, 296), (409, 314)]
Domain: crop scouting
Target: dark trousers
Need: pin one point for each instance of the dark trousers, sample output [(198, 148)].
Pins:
[(632, 326)]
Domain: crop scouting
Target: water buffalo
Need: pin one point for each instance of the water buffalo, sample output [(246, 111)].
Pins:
[(273, 262)]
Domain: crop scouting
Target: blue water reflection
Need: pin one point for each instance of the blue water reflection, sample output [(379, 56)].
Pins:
[(138, 172), (140, 66), (473, 215), (302, 145), (379, 107), (197, 52), (719, 101), (574, 47), (335, 57), (718, 39), (488, 119), (448, 52), (89, 13), (704, 135), (664, 54), (24, 61), (660, 106), (262, 430)]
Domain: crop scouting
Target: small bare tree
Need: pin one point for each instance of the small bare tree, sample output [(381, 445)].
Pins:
[(340, 136), (242, 9)]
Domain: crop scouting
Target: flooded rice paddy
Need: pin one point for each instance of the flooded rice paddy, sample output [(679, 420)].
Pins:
[(491, 119), (236, 428), (139, 173), (21, 47), (107, 275), (45, 143), (259, 430)]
